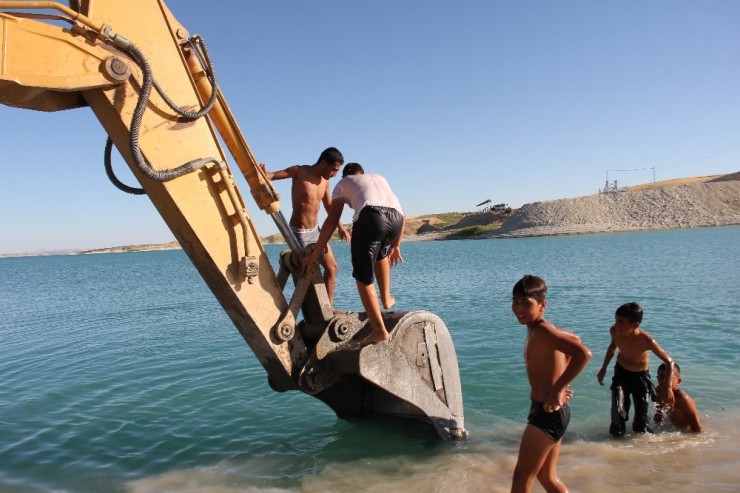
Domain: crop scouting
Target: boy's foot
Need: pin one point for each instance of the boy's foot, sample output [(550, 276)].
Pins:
[(388, 304), (374, 338)]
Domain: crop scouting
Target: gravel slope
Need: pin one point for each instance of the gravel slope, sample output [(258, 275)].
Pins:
[(686, 206)]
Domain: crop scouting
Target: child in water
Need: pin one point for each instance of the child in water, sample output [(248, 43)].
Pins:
[(632, 370), (553, 358), (683, 414)]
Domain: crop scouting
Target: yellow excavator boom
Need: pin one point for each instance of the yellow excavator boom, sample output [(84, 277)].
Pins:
[(153, 88)]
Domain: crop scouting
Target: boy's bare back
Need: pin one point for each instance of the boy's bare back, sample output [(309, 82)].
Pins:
[(544, 363), (684, 412)]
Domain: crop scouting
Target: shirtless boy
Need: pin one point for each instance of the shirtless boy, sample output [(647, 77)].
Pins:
[(683, 414), (309, 189), (632, 370), (553, 357)]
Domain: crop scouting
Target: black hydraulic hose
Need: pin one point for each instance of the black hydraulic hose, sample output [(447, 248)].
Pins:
[(112, 176), (210, 73), (135, 129)]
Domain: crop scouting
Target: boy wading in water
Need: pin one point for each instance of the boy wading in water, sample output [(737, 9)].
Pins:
[(632, 370), (683, 414), (553, 357)]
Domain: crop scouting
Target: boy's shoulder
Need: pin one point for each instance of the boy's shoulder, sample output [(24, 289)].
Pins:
[(547, 328), (682, 397), (645, 335), (639, 334), (300, 170)]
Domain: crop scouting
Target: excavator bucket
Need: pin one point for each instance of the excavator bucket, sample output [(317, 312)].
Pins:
[(413, 375)]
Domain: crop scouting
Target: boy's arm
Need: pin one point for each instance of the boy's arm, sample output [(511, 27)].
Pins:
[(279, 175), (394, 253), (343, 233), (666, 396), (579, 356), (327, 230), (341, 230), (610, 350)]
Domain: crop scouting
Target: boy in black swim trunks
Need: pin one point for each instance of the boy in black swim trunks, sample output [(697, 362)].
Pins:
[(553, 357)]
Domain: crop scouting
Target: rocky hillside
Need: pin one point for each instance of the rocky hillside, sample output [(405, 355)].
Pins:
[(683, 203), (710, 203)]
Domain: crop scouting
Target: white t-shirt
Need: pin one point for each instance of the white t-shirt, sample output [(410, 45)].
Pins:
[(358, 191)]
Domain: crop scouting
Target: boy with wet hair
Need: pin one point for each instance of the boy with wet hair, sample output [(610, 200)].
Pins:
[(631, 379), (309, 189), (553, 358), (683, 414)]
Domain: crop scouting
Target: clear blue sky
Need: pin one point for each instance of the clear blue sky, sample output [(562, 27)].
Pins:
[(454, 102)]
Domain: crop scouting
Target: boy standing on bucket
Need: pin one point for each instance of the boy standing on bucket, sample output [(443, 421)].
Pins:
[(553, 357), (309, 189), (377, 231), (632, 370)]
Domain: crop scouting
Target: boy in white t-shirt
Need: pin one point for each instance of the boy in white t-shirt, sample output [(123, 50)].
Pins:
[(377, 231)]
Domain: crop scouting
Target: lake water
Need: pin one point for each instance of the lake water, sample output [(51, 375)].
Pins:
[(120, 372)]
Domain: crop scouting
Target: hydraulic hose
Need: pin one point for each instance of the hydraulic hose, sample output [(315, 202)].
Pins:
[(144, 94), (112, 176), (209, 73), (135, 129)]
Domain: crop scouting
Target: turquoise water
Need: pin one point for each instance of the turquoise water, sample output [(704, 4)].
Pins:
[(120, 372)]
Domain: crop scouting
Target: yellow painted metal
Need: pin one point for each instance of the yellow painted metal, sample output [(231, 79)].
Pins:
[(203, 209), (68, 12), (44, 67), (262, 190)]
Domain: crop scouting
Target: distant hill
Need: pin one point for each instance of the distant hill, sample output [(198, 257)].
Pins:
[(147, 247), (684, 203), (438, 226), (679, 203)]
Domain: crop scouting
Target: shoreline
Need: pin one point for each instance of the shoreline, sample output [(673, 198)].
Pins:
[(711, 203)]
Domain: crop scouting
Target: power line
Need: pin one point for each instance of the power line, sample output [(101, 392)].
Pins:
[(715, 152)]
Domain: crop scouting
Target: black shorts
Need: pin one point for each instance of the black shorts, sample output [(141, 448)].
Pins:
[(553, 424), (372, 234)]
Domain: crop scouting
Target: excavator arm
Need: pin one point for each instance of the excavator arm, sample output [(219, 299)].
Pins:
[(153, 88)]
